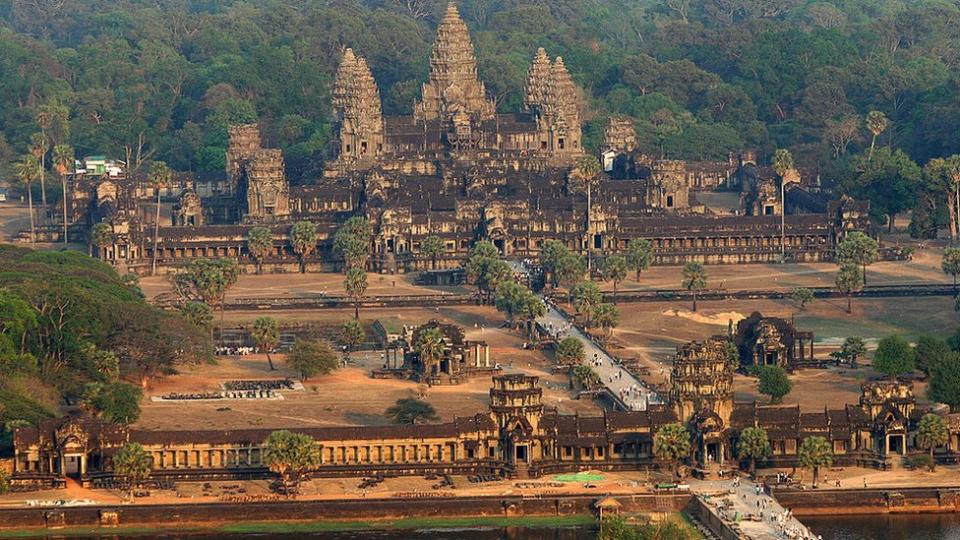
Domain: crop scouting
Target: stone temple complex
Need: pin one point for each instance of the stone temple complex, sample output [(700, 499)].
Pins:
[(517, 436), (459, 169)]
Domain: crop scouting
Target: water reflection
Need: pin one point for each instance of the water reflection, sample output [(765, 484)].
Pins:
[(887, 527)]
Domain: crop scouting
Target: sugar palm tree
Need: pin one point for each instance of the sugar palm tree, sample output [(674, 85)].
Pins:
[(303, 238), (355, 284), (694, 279), (932, 431), (430, 346), (754, 444), (586, 175), (782, 161), (259, 244), (877, 123), (266, 335), (672, 443), (432, 246), (132, 463), (27, 170), (39, 144), (160, 176), (63, 161), (815, 452)]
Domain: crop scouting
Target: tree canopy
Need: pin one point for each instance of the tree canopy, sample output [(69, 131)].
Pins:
[(894, 356), (312, 357), (290, 455), (68, 321), (411, 411), (831, 82), (773, 382)]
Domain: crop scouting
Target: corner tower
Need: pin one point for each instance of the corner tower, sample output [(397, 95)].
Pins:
[(357, 109), (453, 87)]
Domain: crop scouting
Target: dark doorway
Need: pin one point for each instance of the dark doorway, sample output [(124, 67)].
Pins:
[(896, 444), (499, 244), (713, 452), (522, 453)]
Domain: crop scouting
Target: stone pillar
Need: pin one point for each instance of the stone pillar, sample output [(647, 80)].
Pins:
[(486, 355)]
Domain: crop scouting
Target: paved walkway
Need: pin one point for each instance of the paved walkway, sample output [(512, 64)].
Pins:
[(742, 504), (631, 392)]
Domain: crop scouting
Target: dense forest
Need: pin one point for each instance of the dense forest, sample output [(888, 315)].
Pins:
[(161, 80), (73, 331)]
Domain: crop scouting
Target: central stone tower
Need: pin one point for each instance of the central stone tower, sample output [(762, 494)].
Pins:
[(453, 88)]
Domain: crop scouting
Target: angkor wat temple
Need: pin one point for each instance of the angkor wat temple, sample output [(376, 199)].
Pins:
[(458, 169)]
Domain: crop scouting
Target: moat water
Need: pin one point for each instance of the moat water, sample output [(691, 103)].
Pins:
[(875, 527)]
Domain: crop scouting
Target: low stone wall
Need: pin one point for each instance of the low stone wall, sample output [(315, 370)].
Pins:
[(352, 509), (870, 501), (699, 511)]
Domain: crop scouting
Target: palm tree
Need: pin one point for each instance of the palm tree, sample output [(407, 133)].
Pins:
[(586, 174), (615, 270), (815, 452), (848, 281), (694, 279), (672, 443), (63, 161), (754, 444), (132, 463), (607, 317), (639, 255), (355, 284), (39, 144), (27, 169), (432, 246), (782, 161), (932, 431), (303, 238), (160, 175), (430, 346), (259, 245), (266, 335), (877, 123)]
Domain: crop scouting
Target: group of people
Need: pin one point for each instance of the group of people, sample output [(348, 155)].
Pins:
[(234, 351), (786, 526)]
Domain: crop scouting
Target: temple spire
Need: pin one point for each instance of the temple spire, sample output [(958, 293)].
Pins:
[(453, 86), (538, 77), (357, 108), (559, 113)]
